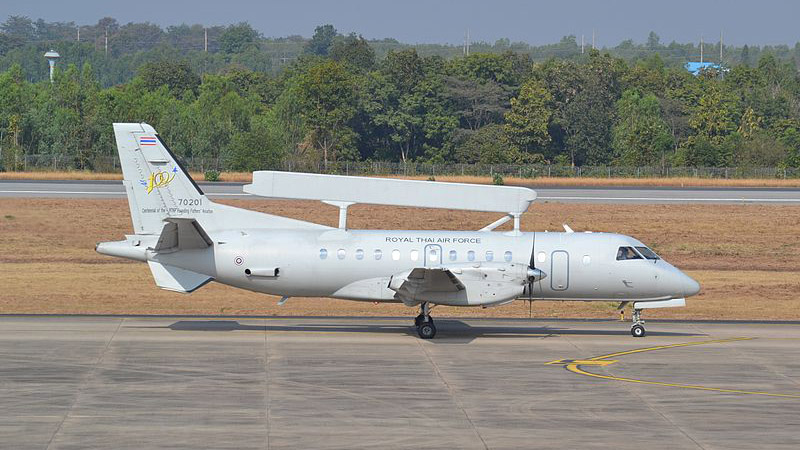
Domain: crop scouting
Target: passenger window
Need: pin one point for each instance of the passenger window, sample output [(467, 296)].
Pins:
[(587, 260), (489, 255), (323, 253), (414, 255), (470, 255), (507, 256), (396, 255), (541, 257), (647, 253), (341, 253), (626, 253), (359, 254), (433, 254), (378, 254), (453, 255)]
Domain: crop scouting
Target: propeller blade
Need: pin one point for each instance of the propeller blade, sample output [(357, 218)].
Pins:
[(530, 267)]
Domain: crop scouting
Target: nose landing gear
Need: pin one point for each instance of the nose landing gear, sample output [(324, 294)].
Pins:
[(637, 329), (424, 322)]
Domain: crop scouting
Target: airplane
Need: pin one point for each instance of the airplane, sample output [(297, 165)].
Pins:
[(187, 240)]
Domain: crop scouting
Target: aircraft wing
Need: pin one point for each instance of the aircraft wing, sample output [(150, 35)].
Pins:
[(422, 282)]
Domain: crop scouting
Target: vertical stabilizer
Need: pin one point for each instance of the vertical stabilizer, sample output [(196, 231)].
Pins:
[(159, 187), (156, 183)]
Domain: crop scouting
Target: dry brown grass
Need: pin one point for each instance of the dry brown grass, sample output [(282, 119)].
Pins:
[(621, 182), (746, 257), (246, 177)]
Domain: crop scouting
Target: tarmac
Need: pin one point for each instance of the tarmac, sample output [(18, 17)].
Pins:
[(635, 195), (178, 382)]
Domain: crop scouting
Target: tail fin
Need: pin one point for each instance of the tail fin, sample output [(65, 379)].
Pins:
[(157, 184), (159, 187)]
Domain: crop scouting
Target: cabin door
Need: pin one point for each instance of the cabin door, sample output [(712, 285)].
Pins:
[(559, 270)]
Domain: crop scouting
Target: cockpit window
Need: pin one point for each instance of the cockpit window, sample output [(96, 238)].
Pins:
[(647, 253), (625, 253)]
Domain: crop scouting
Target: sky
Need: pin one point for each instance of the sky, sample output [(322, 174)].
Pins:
[(446, 21)]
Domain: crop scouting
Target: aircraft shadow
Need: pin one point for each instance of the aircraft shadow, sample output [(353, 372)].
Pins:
[(448, 330)]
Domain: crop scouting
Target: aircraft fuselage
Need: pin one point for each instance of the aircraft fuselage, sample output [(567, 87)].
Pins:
[(359, 264)]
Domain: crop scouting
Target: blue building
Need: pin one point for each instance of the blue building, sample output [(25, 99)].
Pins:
[(696, 67)]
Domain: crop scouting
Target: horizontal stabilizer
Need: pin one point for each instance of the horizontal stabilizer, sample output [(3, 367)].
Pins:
[(176, 279)]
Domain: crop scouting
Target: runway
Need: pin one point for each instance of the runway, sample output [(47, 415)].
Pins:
[(114, 189), (145, 382)]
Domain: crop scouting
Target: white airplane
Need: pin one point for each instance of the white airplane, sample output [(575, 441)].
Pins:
[(188, 241)]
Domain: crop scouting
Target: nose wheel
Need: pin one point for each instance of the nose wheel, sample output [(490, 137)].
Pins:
[(424, 322), (637, 329)]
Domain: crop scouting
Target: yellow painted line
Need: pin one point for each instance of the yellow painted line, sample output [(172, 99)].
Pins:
[(574, 367), (662, 347), (583, 362)]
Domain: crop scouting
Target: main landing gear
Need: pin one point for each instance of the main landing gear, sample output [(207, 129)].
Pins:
[(637, 329), (424, 322)]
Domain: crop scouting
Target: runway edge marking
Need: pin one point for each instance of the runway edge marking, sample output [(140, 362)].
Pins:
[(574, 367)]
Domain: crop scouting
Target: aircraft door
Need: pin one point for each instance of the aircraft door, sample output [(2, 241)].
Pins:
[(559, 270), (433, 255)]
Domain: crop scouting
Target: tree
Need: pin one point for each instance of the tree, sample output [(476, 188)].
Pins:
[(527, 122), (487, 145), (176, 75), (259, 148), (15, 98), (653, 41), (640, 136), (488, 67), (713, 118), (477, 103), (19, 27), (355, 51), (327, 94), (238, 38), (320, 44), (590, 116), (404, 69)]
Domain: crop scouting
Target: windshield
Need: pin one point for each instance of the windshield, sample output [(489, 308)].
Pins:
[(647, 253), (625, 253)]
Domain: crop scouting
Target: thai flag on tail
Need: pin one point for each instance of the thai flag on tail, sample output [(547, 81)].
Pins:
[(147, 140)]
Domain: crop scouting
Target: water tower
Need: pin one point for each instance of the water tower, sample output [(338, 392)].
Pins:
[(52, 56)]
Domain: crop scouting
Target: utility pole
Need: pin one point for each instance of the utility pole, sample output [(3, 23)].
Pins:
[(582, 43), (701, 49), (593, 45), (79, 33), (106, 46), (721, 69), (205, 39)]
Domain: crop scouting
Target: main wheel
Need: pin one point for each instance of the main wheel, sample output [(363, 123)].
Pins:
[(638, 331), (426, 330)]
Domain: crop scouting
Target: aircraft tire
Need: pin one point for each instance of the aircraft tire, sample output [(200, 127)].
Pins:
[(638, 331), (426, 330)]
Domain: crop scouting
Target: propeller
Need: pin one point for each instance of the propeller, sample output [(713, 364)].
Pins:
[(534, 274), (531, 268)]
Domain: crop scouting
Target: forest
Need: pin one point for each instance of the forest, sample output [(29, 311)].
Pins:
[(230, 95)]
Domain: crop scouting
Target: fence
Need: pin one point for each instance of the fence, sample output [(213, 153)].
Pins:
[(111, 164)]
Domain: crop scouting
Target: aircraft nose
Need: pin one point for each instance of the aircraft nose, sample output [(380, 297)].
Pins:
[(690, 286)]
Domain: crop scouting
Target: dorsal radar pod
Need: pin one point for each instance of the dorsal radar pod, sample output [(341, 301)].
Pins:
[(343, 191)]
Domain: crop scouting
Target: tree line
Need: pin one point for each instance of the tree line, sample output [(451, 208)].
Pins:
[(341, 99)]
